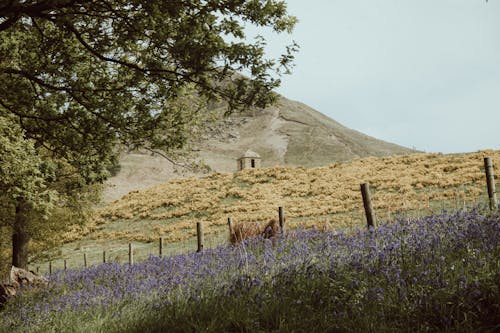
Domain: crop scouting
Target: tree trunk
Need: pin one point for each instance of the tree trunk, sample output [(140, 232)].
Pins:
[(20, 236)]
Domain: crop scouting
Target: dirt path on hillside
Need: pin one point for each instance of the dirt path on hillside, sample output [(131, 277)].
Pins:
[(260, 133)]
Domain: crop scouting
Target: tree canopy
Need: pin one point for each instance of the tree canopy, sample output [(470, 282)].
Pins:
[(84, 75), (23, 174)]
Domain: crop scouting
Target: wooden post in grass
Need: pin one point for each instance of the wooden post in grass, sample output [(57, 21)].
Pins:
[(37, 269), (130, 254), (50, 267), (490, 182), (65, 265), (367, 203), (281, 219), (160, 250), (84, 259), (103, 257), (230, 225), (199, 233)]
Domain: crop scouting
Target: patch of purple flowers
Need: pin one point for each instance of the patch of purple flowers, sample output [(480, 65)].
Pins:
[(406, 259)]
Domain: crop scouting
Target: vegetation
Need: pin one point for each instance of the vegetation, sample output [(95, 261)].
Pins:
[(52, 197), (325, 197), (438, 273), (22, 185), (81, 77)]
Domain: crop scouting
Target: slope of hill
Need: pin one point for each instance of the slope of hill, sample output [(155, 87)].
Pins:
[(288, 134), (325, 197)]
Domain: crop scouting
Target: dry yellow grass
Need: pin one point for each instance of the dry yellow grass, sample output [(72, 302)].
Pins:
[(242, 231), (323, 197)]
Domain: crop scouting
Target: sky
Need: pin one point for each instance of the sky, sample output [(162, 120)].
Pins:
[(424, 74)]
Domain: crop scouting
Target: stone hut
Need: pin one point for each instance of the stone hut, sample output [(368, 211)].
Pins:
[(249, 160)]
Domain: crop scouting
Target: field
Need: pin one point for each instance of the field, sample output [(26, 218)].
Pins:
[(436, 273), (326, 197)]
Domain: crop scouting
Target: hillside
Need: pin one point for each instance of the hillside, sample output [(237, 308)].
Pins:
[(432, 274), (286, 134), (326, 197)]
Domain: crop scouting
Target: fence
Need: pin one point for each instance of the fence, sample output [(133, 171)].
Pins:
[(203, 242)]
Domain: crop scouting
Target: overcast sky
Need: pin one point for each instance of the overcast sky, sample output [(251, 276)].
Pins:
[(419, 73)]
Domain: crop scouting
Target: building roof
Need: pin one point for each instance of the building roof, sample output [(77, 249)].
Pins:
[(250, 154)]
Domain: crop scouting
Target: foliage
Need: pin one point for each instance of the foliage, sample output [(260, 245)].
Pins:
[(23, 174), (83, 76), (326, 197), (56, 193), (438, 273), (75, 204)]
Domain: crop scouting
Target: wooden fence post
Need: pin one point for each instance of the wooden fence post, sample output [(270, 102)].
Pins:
[(103, 257), (230, 225), (84, 259), (50, 267), (160, 250), (367, 203), (199, 232), (130, 254), (65, 265), (490, 182), (281, 219)]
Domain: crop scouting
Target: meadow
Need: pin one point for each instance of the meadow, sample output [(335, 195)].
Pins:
[(435, 273), (327, 198)]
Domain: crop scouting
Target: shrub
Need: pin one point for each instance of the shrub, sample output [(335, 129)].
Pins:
[(244, 231)]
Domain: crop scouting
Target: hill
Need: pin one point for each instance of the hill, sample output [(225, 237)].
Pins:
[(326, 197), (286, 134)]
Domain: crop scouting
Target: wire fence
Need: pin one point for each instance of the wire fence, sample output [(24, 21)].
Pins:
[(122, 252), (126, 252)]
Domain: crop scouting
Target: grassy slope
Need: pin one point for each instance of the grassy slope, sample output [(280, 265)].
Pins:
[(315, 139), (434, 274), (325, 197)]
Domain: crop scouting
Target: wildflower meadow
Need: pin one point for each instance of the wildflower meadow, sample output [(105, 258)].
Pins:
[(435, 273)]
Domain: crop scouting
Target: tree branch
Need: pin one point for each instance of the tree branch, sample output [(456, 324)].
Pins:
[(168, 158), (100, 56), (41, 82), (9, 22), (33, 78), (23, 115), (36, 9)]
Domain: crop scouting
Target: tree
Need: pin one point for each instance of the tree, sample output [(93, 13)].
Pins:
[(81, 77), (22, 186), (38, 196)]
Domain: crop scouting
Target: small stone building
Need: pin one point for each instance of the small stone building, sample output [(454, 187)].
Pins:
[(249, 160)]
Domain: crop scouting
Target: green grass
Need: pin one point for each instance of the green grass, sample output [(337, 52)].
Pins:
[(117, 250), (437, 274)]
